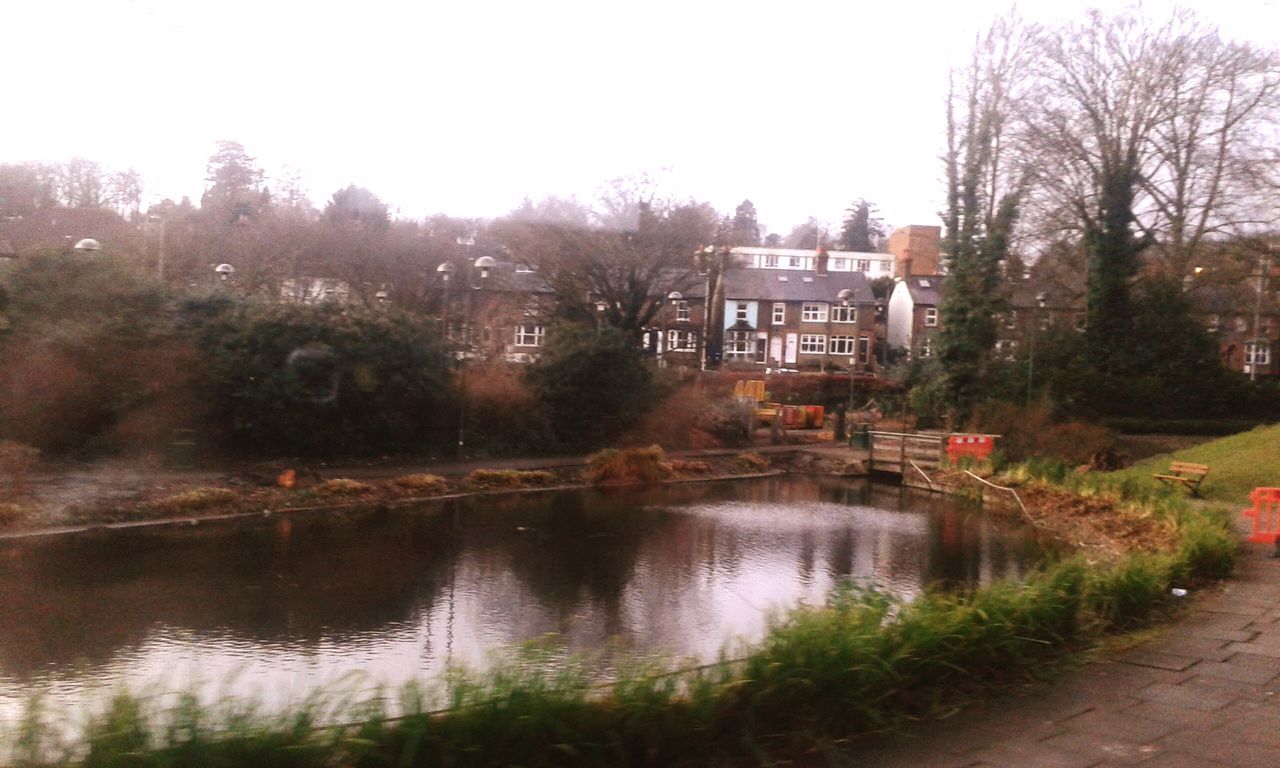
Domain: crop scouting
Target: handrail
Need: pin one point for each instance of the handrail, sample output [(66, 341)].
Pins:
[(1016, 497)]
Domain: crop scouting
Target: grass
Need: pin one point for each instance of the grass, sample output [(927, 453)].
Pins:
[(421, 483), (626, 466), (495, 479), (1237, 465), (861, 663), (194, 500), (342, 486)]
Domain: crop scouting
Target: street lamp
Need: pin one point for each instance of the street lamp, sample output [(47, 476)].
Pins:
[(846, 296), (602, 306), (1041, 298), (483, 266), (224, 272), (88, 247)]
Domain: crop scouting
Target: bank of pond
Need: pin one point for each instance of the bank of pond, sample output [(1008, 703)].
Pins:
[(682, 624)]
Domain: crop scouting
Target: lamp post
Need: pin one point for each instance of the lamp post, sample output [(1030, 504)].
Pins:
[(846, 296), (1257, 314), (445, 271), (1041, 298), (602, 306), (477, 276), (88, 247)]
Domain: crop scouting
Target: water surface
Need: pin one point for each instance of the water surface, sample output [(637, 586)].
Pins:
[(277, 606)]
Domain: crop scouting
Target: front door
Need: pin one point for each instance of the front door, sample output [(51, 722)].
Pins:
[(775, 350), (793, 342)]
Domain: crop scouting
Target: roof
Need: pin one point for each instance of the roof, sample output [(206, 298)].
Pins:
[(809, 252), (924, 289), (795, 285)]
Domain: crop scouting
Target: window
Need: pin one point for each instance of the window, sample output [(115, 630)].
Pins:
[(740, 313), (926, 346), (794, 262), (842, 345), (1257, 353), (931, 317), (813, 343), (839, 265), (863, 265), (1011, 320), (779, 313), (738, 344), (925, 283), (529, 335), (682, 311), (814, 312), (1214, 322), (682, 341), (1081, 321), (844, 314), (1242, 325), (771, 261), (1006, 349), (523, 267)]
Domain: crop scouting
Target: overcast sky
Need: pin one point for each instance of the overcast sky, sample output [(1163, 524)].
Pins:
[(467, 107)]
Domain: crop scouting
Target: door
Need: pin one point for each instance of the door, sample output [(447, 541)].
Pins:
[(793, 341), (775, 351), (761, 340)]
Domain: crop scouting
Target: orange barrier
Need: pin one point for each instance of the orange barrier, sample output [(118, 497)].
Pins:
[(973, 446), (1266, 515)]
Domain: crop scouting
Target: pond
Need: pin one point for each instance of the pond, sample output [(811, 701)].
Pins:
[(277, 606)]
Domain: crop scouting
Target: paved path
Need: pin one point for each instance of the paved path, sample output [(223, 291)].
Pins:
[(1205, 693)]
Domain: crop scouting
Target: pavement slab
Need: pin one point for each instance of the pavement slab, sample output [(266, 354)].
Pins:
[(1204, 693)]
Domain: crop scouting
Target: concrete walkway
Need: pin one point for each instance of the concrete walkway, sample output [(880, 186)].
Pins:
[(1205, 692)]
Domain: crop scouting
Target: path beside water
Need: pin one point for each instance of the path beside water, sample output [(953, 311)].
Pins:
[(1205, 692)]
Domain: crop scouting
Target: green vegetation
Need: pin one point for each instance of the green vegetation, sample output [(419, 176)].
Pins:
[(194, 500), (421, 483), (863, 662), (342, 486), (1237, 464)]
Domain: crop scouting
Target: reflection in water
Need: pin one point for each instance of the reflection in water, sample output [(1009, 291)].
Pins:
[(283, 605)]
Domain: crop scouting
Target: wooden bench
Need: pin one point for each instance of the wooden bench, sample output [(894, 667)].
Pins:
[(1185, 473)]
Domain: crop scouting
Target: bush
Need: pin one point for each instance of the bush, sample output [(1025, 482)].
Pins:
[(593, 385), (503, 416), (627, 466), (1137, 425), (687, 467), (326, 379), (1030, 431)]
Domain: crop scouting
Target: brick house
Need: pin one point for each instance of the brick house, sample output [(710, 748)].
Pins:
[(783, 318), (506, 317), (1228, 313)]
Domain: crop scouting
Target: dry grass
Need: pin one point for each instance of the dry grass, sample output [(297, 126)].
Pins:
[(629, 466), (421, 483), (493, 479), (687, 467), (194, 500), (10, 514), (750, 462), (342, 486), (16, 461)]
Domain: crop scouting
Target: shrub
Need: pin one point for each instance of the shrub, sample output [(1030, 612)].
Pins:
[(593, 385), (626, 466), (503, 416), (194, 500), (422, 483), (726, 421), (1028, 431), (325, 379), (485, 479), (342, 486)]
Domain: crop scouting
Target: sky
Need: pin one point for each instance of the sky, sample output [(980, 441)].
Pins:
[(467, 107)]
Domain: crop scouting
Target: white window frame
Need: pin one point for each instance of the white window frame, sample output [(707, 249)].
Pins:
[(864, 265), (813, 343), (845, 346), (1214, 324), (740, 344), (779, 313), (682, 341), (682, 311), (771, 261), (844, 314), (1257, 352), (814, 312), (840, 264), (794, 262), (931, 317), (926, 346), (530, 335), (741, 311)]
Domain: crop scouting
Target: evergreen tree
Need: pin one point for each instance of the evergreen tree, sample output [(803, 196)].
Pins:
[(863, 230), (745, 230)]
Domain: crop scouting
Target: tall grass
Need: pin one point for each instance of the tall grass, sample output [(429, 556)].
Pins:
[(862, 662)]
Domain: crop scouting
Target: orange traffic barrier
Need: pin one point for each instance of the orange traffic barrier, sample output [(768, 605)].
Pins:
[(1266, 515), (973, 446)]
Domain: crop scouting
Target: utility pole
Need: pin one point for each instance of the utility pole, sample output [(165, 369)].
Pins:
[(1255, 346)]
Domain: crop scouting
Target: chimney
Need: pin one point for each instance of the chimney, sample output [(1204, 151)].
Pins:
[(820, 261), (916, 250)]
